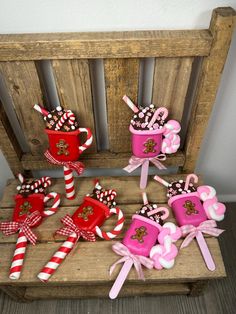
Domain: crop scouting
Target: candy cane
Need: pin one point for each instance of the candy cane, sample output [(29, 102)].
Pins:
[(108, 195), (19, 255), (69, 183), (40, 109), (214, 209), (164, 254), (118, 227), (190, 177), (21, 178), (58, 257), (44, 181), (129, 102), (156, 114), (88, 141), (68, 115), (55, 205)]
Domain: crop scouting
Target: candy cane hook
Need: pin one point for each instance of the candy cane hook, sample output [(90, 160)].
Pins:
[(190, 177)]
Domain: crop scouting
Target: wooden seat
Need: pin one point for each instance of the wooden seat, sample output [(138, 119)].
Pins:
[(178, 56)]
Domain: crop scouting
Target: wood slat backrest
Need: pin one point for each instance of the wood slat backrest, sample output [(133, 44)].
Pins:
[(173, 52)]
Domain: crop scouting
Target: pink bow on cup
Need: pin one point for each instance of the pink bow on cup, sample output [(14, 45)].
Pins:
[(137, 260), (136, 162)]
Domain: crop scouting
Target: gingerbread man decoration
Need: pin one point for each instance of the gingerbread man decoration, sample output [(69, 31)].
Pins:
[(149, 144), (88, 210), (25, 207), (140, 233), (190, 206), (62, 148)]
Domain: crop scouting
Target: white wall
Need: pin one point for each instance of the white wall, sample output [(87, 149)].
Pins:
[(218, 154)]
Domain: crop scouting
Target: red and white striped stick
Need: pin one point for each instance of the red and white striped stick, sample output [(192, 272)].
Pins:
[(68, 115), (49, 269), (118, 227), (41, 110), (18, 257), (69, 183), (129, 102)]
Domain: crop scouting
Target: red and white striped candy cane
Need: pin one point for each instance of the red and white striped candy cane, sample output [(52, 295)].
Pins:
[(52, 210), (68, 115), (107, 195), (58, 257), (19, 255), (44, 181), (118, 227), (88, 141), (69, 183)]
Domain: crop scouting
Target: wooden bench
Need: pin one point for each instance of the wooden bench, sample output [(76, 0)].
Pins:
[(183, 59)]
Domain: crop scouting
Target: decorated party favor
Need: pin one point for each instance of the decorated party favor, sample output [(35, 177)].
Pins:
[(196, 210), (28, 213), (139, 243), (64, 143), (152, 137), (86, 223)]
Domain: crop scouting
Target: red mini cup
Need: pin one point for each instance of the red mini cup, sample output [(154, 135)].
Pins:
[(146, 144), (27, 205), (66, 146), (90, 214)]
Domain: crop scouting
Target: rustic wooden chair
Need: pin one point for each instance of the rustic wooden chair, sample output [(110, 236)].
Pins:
[(85, 271)]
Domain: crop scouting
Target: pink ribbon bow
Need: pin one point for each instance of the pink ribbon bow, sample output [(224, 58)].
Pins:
[(135, 162), (70, 227), (138, 260), (11, 227), (75, 165), (208, 227)]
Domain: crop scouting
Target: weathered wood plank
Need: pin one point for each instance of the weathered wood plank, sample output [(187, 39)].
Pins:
[(74, 90), (134, 44), (221, 27), (9, 144), (189, 265), (121, 77), (128, 191), (99, 160), (102, 291), (23, 85), (170, 84)]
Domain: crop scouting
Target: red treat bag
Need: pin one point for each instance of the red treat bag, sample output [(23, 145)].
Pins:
[(196, 209), (85, 223), (28, 213), (139, 247), (65, 147), (152, 137)]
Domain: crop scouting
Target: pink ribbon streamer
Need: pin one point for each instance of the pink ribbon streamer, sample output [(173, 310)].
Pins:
[(72, 165), (208, 227), (138, 260), (136, 162)]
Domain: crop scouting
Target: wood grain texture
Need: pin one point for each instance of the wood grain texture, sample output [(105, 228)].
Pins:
[(78, 268), (170, 84), (132, 44), (23, 85), (221, 27), (74, 90), (9, 144), (128, 191), (98, 160), (121, 77)]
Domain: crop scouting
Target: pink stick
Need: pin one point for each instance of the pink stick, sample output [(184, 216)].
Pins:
[(144, 174), (120, 279), (130, 104), (18, 258), (40, 109), (205, 251), (156, 114), (21, 178), (145, 200), (162, 181), (190, 177)]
